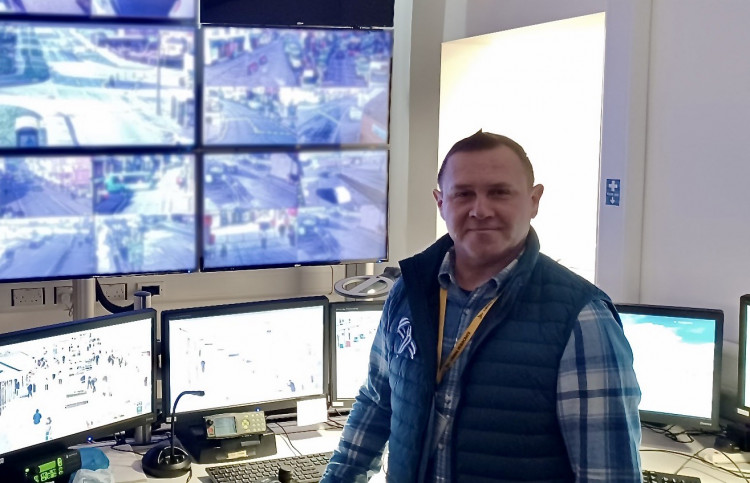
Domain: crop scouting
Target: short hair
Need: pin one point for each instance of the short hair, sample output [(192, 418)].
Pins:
[(483, 141)]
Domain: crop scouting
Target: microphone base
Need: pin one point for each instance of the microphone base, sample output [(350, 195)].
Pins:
[(157, 462)]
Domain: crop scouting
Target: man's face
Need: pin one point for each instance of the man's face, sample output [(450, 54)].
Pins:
[(487, 204)]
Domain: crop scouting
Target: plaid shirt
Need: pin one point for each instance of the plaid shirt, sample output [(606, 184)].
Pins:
[(597, 403)]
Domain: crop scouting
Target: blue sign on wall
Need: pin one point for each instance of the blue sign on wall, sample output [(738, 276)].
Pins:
[(613, 192)]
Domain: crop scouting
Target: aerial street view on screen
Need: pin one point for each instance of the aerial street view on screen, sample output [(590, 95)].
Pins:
[(109, 8), (286, 208), (68, 383), (69, 85), (92, 215), (296, 86), (683, 349), (247, 357)]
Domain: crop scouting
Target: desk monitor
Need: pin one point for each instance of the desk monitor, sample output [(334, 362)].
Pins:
[(248, 356), (743, 386), (62, 384), (677, 360), (353, 327)]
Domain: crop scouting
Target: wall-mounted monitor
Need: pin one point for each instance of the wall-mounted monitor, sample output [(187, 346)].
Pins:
[(95, 85), (152, 9), (260, 355), (352, 326), (294, 208), (295, 86), (677, 360), (75, 216), (63, 383)]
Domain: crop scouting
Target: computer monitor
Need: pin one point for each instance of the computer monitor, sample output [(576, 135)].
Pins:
[(88, 84), (64, 383), (246, 357), (296, 86), (154, 9), (287, 208), (677, 360), (77, 216), (353, 327), (743, 385)]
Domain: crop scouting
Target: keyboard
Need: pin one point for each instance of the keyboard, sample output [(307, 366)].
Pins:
[(305, 469), (656, 477)]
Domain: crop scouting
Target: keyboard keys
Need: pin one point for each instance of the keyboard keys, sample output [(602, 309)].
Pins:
[(305, 469), (656, 477)]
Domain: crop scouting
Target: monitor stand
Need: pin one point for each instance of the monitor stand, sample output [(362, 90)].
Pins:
[(209, 451)]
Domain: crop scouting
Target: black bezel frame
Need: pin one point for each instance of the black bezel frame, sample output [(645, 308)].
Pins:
[(334, 308), (189, 418), (743, 371), (716, 315), (13, 460)]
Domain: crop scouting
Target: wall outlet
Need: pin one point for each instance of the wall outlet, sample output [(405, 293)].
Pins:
[(27, 296), (115, 291), (64, 295)]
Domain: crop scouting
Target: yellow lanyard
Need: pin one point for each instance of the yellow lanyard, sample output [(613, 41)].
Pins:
[(462, 341)]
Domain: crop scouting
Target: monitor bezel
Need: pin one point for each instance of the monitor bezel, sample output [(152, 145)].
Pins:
[(92, 156), (275, 407), (336, 402), (13, 460), (682, 420), (743, 406)]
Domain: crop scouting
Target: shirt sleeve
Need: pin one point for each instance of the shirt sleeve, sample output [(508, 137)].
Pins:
[(360, 449), (597, 399)]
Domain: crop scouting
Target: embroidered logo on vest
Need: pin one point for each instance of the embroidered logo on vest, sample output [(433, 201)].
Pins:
[(407, 346)]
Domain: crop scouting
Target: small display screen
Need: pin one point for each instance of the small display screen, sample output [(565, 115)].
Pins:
[(225, 426), (355, 332), (673, 358)]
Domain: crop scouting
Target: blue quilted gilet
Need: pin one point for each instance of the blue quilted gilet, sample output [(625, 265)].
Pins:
[(506, 427)]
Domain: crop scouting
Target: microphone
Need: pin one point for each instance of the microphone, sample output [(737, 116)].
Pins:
[(160, 463)]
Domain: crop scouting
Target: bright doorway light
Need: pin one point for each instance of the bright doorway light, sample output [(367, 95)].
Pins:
[(542, 86)]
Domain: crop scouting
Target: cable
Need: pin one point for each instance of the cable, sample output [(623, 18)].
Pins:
[(741, 474), (288, 440), (109, 306)]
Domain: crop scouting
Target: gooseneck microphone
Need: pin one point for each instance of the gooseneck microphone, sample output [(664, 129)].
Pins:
[(164, 461)]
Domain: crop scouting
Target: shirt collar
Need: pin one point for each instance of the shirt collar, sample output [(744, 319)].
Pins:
[(447, 275)]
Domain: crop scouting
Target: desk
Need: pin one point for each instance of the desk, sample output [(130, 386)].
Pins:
[(126, 467)]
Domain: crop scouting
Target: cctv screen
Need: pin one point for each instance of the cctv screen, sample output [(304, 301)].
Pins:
[(161, 9), (246, 357), (59, 385), (302, 86), (80, 215), (287, 208)]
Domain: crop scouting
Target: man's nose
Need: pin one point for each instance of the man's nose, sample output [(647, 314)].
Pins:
[(480, 208)]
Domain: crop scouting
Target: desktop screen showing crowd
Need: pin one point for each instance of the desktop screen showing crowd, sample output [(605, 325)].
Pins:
[(62, 384)]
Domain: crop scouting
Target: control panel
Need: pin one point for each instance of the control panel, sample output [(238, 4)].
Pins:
[(232, 425)]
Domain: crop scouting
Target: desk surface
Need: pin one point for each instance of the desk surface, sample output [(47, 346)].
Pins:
[(658, 453)]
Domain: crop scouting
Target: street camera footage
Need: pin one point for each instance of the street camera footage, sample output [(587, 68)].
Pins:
[(244, 358), (296, 86), (74, 216), (355, 331), (76, 382), (161, 9), (86, 85), (266, 209)]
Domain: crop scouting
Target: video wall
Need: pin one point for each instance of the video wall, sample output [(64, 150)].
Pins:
[(134, 141)]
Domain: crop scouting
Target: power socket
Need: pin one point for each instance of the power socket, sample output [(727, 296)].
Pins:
[(27, 296), (64, 295), (154, 288), (115, 291)]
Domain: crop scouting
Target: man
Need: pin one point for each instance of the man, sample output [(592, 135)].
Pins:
[(492, 362)]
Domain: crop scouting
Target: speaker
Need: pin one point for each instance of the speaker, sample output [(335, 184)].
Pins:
[(312, 13)]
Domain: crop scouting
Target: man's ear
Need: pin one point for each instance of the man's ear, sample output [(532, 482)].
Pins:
[(536, 194), (438, 195)]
